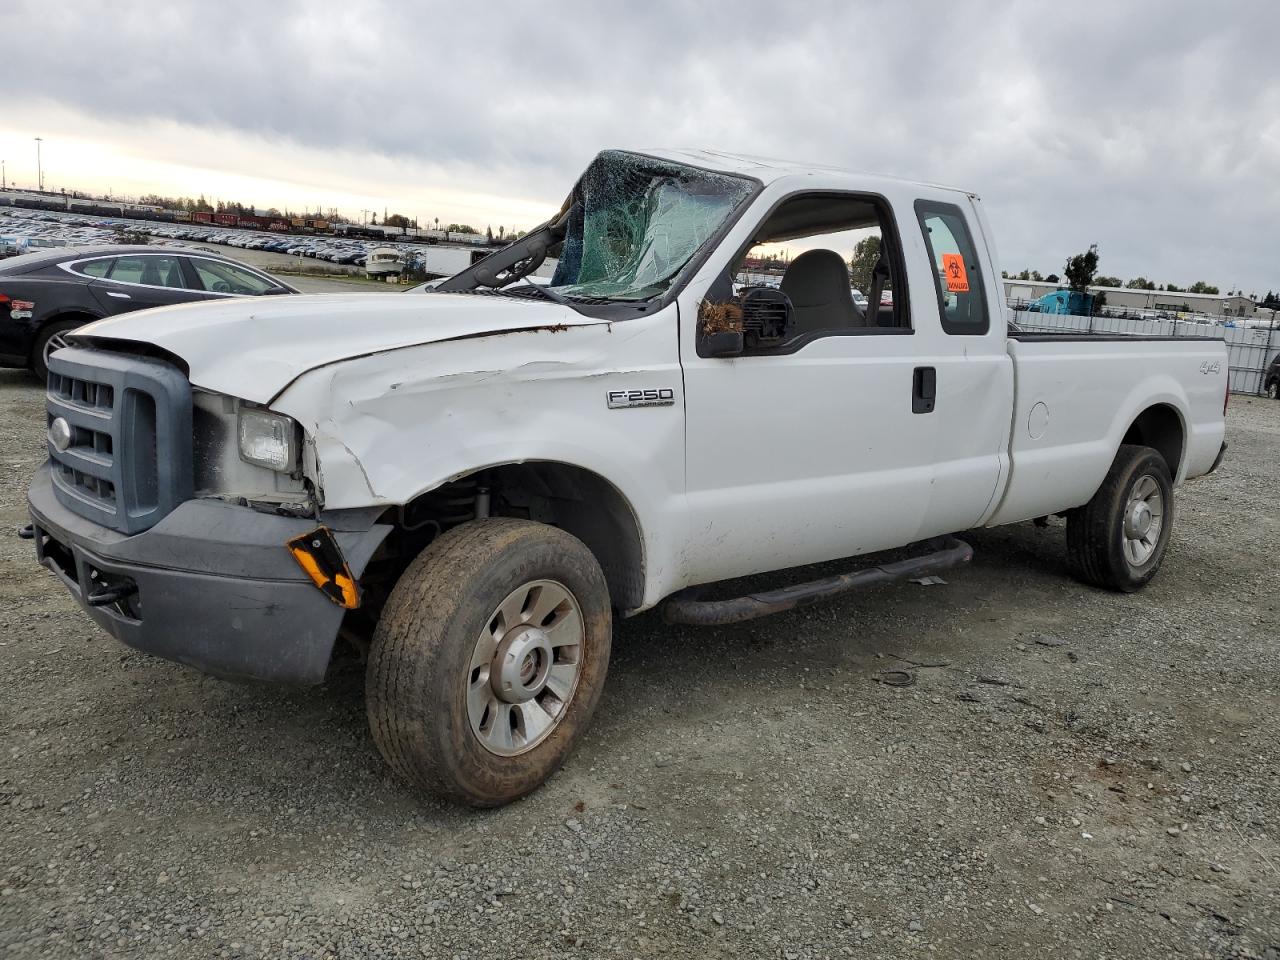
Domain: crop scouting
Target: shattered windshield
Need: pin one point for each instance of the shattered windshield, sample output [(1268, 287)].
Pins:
[(636, 222)]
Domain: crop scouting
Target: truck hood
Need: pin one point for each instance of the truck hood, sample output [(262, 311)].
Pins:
[(253, 348)]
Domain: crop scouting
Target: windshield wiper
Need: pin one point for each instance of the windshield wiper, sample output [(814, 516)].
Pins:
[(547, 292)]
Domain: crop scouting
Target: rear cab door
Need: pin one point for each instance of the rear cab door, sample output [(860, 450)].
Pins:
[(965, 338)]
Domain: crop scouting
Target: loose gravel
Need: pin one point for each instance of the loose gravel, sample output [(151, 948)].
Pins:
[(1072, 773)]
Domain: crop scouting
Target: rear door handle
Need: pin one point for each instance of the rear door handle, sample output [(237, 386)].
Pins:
[(924, 389), (118, 296)]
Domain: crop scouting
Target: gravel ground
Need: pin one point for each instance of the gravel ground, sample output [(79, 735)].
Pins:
[(1074, 774)]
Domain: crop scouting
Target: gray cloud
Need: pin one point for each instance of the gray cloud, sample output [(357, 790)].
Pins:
[(1151, 128)]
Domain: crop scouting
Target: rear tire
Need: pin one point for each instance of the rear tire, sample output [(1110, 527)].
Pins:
[(47, 341), (1273, 390), (1118, 539), (488, 660)]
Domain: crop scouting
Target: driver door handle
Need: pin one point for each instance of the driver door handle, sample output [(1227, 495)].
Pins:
[(118, 296)]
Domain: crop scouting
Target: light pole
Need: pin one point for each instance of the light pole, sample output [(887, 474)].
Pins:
[(39, 168), (4, 183)]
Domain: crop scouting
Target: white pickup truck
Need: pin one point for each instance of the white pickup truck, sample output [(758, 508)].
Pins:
[(471, 482)]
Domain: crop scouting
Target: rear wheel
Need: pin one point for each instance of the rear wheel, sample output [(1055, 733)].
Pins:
[(49, 339), (1273, 389), (1118, 539), (489, 659)]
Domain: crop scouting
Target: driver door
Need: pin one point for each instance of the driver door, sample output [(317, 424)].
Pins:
[(808, 450)]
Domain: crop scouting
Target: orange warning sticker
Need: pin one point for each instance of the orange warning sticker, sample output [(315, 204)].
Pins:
[(953, 267)]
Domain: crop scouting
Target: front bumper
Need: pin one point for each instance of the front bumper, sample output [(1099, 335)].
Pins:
[(214, 586)]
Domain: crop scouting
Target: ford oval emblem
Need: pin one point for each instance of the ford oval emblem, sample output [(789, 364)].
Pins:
[(60, 434)]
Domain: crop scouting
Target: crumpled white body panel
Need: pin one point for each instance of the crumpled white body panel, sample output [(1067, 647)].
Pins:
[(391, 425), (254, 348)]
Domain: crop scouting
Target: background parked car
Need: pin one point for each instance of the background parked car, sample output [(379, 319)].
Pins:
[(45, 294), (1271, 382)]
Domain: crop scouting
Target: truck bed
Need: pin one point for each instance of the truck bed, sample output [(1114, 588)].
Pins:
[(1076, 396)]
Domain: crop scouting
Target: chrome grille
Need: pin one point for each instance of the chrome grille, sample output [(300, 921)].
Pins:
[(128, 460)]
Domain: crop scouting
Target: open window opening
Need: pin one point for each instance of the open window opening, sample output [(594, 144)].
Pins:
[(820, 264)]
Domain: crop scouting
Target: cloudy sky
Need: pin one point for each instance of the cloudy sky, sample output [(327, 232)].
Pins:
[(1150, 128)]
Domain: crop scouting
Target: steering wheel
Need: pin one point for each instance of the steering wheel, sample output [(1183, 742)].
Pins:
[(221, 286)]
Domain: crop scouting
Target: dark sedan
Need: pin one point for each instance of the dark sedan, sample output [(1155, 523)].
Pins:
[(45, 294)]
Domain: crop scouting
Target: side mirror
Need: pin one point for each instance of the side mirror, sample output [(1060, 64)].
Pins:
[(719, 329), (724, 343), (768, 316)]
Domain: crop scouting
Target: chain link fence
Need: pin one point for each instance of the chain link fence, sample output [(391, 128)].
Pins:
[(1250, 348)]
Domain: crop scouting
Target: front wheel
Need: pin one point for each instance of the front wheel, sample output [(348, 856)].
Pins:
[(1118, 539), (1273, 389), (489, 659)]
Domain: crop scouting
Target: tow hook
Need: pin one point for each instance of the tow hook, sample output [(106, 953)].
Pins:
[(27, 533), (320, 557), (111, 595)]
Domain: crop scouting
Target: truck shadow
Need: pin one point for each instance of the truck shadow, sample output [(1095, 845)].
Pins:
[(681, 675), (667, 686)]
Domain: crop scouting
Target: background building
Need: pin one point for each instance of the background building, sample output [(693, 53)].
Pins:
[(1159, 301)]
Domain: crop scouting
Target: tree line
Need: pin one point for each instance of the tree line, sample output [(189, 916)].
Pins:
[(1137, 283), (201, 205)]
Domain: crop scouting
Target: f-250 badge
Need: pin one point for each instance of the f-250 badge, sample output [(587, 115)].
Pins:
[(1207, 367), (659, 397)]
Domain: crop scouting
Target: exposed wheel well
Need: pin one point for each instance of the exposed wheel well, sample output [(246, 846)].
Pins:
[(1160, 428), (586, 505), (572, 498)]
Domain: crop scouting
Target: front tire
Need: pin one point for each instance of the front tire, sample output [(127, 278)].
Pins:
[(1118, 539), (488, 660), (1273, 389)]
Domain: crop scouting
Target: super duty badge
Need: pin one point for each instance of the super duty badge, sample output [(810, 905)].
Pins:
[(657, 397)]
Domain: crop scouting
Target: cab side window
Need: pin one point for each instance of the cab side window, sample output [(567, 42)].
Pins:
[(957, 272), (836, 259)]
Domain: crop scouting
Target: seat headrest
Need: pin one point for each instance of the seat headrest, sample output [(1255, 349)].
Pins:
[(814, 276)]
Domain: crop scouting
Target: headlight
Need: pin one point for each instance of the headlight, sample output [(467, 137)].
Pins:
[(268, 439)]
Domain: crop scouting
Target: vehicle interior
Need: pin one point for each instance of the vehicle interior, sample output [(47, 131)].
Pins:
[(826, 253), (152, 272)]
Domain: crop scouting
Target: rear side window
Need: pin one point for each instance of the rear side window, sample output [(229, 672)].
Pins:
[(94, 268), (150, 271), (957, 272)]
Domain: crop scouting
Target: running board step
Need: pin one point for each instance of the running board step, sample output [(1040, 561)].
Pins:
[(685, 607)]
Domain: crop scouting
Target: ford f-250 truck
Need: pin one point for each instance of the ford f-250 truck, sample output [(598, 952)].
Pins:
[(471, 482)]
